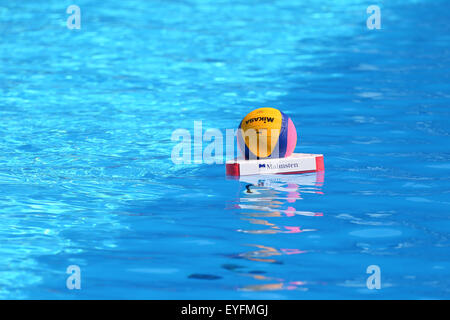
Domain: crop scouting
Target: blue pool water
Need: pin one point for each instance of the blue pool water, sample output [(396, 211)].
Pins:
[(86, 176)]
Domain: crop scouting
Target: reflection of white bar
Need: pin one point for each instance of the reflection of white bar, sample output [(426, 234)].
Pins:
[(275, 180), (296, 163)]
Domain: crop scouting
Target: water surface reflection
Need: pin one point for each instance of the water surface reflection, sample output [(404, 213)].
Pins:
[(272, 205)]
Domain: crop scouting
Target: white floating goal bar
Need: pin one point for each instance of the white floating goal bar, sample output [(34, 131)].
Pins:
[(296, 163)]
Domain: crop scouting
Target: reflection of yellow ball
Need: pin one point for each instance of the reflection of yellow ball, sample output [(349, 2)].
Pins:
[(267, 133)]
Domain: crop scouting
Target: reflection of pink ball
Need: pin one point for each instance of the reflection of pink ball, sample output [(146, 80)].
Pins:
[(293, 195), (290, 212)]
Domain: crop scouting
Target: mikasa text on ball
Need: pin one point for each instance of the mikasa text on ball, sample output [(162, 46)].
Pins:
[(266, 133)]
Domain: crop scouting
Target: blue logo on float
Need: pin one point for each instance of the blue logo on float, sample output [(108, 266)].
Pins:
[(262, 165)]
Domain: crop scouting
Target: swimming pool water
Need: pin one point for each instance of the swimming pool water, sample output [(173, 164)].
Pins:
[(85, 143)]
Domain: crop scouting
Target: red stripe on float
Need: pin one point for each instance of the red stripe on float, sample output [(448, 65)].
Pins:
[(232, 169), (319, 164), (297, 172)]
